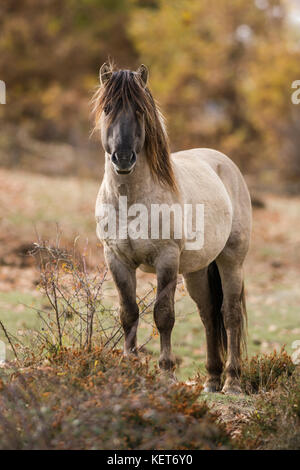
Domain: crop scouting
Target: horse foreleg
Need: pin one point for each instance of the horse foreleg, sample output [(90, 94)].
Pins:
[(164, 313), (125, 281)]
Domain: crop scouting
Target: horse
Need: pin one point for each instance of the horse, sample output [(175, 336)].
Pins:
[(140, 168)]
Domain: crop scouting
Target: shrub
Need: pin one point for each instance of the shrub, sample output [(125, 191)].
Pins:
[(73, 312), (275, 423), (87, 400), (262, 373)]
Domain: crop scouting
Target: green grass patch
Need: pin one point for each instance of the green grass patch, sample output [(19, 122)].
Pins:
[(17, 310)]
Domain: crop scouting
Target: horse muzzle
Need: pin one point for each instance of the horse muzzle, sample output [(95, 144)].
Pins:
[(123, 164)]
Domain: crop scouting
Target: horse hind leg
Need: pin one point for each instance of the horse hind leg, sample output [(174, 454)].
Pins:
[(234, 316), (204, 287)]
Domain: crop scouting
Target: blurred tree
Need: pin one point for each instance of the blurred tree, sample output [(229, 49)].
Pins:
[(222, 71), (50, 53)]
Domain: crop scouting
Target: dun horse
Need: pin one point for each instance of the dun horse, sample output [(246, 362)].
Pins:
[(138, 165)]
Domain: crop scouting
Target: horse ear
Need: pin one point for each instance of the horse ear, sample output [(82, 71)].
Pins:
[(143, 73), (105, 73)]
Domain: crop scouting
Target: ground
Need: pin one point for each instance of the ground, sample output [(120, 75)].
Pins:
[(34, 206)]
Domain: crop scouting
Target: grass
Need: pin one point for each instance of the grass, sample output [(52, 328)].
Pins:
[(269, 327), (188, 334), (40, 202), (17, 310)]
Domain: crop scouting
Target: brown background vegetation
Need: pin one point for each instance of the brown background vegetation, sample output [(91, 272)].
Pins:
[(222, 72)]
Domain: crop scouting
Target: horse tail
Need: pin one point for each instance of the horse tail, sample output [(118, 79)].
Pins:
[(216, 294)]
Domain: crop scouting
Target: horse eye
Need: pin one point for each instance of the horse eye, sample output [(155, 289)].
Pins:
[(107, 109)]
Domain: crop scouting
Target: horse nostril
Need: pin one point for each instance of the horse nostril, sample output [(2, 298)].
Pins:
[(123, 162), (133, 158), (114, 157)]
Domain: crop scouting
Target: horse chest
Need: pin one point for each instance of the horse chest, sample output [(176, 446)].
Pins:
[(137, 252)]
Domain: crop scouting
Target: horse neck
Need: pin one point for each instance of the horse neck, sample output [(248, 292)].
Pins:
[(136, 186)]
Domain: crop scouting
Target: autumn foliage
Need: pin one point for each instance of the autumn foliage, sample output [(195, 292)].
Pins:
[(221, 70), (81, 400)]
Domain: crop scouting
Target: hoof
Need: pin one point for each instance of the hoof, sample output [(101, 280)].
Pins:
[(232, 389), (166, 364), (212, 386), (211, 389), (130, 352)]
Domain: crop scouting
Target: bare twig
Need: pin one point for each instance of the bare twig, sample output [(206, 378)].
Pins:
[(9, 340)]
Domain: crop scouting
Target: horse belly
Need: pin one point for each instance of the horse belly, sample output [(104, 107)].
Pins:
[(191, 261), (216, 231)]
